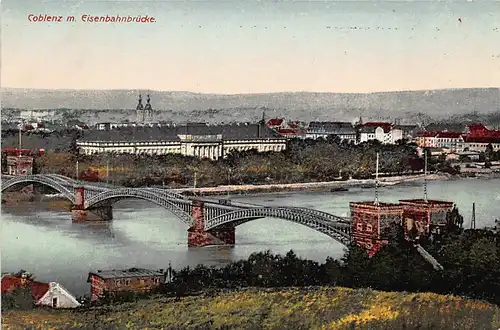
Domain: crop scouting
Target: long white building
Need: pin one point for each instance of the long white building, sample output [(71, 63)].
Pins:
[(196, 139)]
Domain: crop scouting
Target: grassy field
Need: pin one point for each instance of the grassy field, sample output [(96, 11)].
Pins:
[(311, 308)]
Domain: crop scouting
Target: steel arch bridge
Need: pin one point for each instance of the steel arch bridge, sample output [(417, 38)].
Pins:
[(58, 183), (340, 231), (215, 215), (179, 208)]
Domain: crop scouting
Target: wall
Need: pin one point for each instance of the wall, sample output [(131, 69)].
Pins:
[(137, 284), (97, 286)]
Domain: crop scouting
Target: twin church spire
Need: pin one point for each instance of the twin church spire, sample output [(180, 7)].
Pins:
[(144, 112)]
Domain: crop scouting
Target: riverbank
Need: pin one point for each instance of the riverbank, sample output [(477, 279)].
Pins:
[(308, 186), (293, 308)]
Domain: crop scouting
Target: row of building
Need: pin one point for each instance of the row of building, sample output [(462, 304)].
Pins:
[(54, 295), (475, 137), (215, 141)]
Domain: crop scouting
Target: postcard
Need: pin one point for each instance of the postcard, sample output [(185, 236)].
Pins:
[(250, 164)]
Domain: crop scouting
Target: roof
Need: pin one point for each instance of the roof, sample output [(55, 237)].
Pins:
[(132, 272), (290, 131), (11, 283), (477, 127), (240, 131), (427, 134), (420, 201), (372, 205), (449, 135), (38, 289), (331, 127), (482, 139), (441, 127), (406, 127), (386, 126), (275, 122)]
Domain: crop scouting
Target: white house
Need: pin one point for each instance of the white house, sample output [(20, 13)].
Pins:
[(195, 139), (381, 131), (58, 297), (45, 294), (37, 115)]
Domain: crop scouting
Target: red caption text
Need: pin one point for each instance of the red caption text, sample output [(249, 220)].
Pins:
[(40, 18)]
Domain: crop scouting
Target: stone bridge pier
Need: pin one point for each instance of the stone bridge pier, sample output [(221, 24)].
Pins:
[(197, 236), (79, 213)]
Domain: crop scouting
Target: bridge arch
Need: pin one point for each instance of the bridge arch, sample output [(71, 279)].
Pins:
[(48, 181), (179, 208), (63, 179), (321, 214), (335, 229), (167, 193)]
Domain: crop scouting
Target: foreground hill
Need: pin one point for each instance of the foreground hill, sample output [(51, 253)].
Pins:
[(312, 308), (307, 106)]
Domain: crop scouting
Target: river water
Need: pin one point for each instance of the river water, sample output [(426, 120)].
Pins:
[(44, 241)]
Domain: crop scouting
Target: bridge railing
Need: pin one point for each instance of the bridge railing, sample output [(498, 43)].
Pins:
[(338, 231), (41, 179), (120, 193)]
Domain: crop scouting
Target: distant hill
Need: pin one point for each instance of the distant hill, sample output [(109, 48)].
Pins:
[(411, 105)]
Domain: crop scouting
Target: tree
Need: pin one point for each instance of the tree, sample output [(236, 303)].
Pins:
[(19, 299), (454, 220), (489, 151)]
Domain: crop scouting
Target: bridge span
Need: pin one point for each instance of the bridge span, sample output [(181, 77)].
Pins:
[(209, 221)]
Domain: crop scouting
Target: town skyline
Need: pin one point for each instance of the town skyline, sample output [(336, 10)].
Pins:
[(255, 48)]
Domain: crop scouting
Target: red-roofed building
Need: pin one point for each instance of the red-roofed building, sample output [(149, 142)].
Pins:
[(47, 294), (285, 129), (479, 143), (275, 123), (448, 140), (478, 138), (479, 130), (426, 139)]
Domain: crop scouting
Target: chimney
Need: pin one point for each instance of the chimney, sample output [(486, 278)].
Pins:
[(259, 127)]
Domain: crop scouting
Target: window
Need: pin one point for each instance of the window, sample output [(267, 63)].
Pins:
[(359, 226), (156, 280), (369, 228), (118, 282), (127, 282), (54, 302)]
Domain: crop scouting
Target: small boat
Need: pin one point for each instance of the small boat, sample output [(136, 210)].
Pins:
[(338, 189)]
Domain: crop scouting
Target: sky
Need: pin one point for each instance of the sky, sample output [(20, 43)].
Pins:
[(231, 47)]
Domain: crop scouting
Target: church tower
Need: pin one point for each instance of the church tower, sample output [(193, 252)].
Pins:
[(148, 111), (140, 110)]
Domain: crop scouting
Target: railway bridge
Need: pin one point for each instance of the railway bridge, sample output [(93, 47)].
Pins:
[(209, 221)]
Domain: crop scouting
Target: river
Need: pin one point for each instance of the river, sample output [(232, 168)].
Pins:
[(44, 241)]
